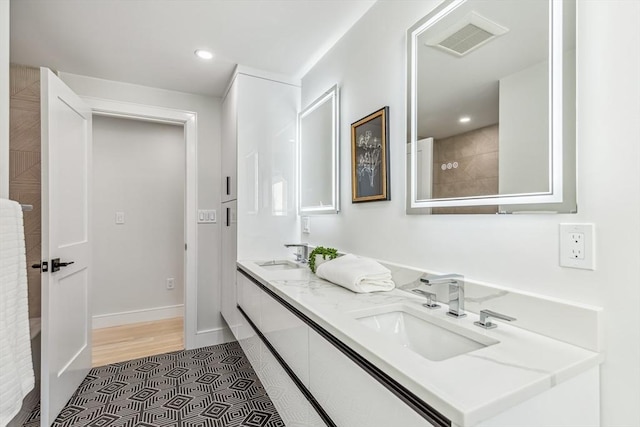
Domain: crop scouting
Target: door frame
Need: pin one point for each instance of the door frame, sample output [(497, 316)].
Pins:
[(188, 119)]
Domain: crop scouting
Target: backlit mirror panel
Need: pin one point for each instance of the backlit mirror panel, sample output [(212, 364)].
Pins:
[(318, 155), (492, 108)]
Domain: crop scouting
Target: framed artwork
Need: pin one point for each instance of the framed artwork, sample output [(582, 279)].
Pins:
[(370, 158)]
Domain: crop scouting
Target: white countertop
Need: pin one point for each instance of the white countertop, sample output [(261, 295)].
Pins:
[(468, 388)]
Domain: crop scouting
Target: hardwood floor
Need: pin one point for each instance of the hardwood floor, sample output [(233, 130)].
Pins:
[(126, 342)]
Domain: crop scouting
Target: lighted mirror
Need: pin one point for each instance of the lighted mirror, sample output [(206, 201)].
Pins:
[(491, 108), (318, 127)]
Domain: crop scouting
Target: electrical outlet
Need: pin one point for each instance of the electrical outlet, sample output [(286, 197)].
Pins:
[(119, 218), (576, 245), (170, 283), (306, 225), (577, 249)]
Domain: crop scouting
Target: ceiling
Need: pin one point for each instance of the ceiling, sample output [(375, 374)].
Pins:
[(152, 42)]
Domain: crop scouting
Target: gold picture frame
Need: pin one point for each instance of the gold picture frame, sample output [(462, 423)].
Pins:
[(370, 158)]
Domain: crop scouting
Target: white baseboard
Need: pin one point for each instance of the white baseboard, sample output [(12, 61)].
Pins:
[(137, 316)]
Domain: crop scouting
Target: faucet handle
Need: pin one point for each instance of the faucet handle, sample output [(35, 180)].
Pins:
[(485, 315), (431, 297)]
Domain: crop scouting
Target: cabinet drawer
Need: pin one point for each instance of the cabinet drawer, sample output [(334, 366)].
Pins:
[(349, 395), (249, 299), (287, 334)]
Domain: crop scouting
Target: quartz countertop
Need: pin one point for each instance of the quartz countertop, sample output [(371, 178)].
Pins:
[(468, 388)]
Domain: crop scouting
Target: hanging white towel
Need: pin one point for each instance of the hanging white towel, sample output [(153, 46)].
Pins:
[(357, 274), (16, 367)]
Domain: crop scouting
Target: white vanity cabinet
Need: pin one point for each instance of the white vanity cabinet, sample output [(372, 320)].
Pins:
[(272, 319), (348, 395), (351, 396)]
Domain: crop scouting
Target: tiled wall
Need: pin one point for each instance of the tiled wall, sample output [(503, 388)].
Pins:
[(470, 168), (24, 166)]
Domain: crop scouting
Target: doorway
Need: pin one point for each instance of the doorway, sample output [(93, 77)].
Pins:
[(138, 234)]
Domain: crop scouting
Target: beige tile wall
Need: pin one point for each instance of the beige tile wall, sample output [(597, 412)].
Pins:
[(24, 166), (476, 153)]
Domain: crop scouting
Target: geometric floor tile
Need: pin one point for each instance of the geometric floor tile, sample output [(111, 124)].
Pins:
[(206, 387)]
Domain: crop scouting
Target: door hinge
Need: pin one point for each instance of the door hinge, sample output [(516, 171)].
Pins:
[(185, 246)]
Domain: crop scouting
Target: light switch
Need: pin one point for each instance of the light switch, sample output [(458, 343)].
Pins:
[(306, 225), (119, 218), (206, 216)]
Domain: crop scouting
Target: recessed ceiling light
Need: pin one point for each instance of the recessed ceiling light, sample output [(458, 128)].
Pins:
[(203, 54), (464, 119)]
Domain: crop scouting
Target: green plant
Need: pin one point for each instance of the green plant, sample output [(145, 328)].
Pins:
[(327, 253)]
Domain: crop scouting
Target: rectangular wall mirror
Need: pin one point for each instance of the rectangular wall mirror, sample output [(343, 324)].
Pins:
[(491, 108), (318, 162)]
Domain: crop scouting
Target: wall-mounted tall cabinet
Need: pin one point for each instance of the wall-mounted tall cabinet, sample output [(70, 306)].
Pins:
[(229, 234), (259, 116)]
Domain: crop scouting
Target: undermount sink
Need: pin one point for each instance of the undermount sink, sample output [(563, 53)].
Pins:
[(407, 327), (282, 264)]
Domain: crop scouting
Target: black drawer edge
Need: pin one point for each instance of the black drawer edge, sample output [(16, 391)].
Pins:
[(414, 402), (305, 391)]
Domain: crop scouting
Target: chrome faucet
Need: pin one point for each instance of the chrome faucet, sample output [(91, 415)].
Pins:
[(456, 291), (302, 253)]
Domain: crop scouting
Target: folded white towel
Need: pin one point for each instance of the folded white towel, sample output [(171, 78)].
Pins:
[(16, 369), (357, 274)]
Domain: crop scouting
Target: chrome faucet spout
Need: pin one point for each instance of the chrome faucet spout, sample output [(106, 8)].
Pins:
[(431, 279), (456, 291), (302, 253)]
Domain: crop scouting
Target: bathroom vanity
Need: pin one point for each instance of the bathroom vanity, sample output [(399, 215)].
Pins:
[(328, 356)]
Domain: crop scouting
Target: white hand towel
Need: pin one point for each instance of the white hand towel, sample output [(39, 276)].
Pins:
[(16, 368), (357, 274)]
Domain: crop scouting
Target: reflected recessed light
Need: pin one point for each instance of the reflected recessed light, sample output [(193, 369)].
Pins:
[(465, 119), (204, 54)]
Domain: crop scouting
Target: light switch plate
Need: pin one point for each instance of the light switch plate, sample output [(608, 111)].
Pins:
[(577, 246), (306, 225), (206, 216)]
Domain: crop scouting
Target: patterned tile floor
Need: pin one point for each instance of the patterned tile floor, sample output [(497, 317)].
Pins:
[(211, 386)]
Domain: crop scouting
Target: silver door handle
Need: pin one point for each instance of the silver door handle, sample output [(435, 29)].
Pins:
[(56, 264)]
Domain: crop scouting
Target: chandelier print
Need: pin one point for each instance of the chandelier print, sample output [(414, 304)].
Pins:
[(370, 158)]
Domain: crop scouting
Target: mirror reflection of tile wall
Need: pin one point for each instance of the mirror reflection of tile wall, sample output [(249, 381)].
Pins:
[(24, 166), (466, 165)]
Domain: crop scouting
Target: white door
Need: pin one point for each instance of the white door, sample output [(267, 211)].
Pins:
[(66, 321)]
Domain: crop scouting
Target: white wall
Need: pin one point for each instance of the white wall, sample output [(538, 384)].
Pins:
[(4, 98), (520, 251), (208, 110), (138, 169)]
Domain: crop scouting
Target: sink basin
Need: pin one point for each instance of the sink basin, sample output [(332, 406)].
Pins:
[(409, 328), (279, 265)]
